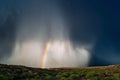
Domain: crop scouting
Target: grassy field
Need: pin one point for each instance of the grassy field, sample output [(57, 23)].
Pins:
[(12, 72)]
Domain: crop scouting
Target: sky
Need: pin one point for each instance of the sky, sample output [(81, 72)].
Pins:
[(93, 23)]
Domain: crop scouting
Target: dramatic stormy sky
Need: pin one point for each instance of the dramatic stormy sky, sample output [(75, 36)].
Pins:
[(91, 22)]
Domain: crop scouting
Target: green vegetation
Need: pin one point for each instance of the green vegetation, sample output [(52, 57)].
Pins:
[(8, 72)]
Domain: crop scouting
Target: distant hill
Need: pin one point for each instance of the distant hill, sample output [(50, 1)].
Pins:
[(16, 72)]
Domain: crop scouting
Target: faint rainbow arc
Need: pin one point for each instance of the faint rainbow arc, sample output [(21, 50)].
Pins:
[(42, 64)]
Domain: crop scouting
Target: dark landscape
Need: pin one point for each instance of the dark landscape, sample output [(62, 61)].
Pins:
[(16, 72)]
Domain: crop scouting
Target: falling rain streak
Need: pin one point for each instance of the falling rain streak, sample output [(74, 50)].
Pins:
[(42, 40)]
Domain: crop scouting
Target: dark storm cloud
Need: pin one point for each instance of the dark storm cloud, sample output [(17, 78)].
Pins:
[(97, 21), (91, 22), (7, 35), (85, 21), (8, 17)]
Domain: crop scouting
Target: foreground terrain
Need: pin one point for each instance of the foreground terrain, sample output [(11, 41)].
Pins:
[(12, 72)]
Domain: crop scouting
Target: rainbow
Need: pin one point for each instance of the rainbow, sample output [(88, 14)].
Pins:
[(44, 54)]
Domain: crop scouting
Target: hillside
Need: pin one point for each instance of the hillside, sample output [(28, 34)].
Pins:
[(15, 72)]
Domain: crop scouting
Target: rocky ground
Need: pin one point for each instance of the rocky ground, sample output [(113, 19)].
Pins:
[(15, 72)]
